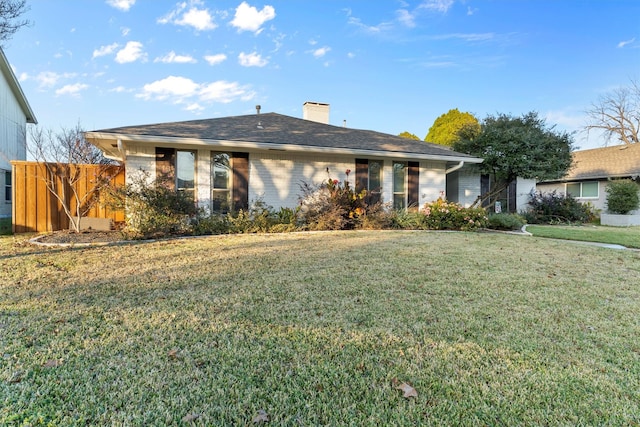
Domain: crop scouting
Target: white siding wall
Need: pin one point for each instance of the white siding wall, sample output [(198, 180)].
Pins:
[(468, 186), (13, 126), (276, 177), (524, 187), (433, 181)]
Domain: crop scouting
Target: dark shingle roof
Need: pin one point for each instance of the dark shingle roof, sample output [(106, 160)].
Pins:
[(618, 161), (280, 129)]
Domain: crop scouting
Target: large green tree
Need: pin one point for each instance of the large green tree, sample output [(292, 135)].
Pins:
[(515, 147), (446, 128), (408, 135)]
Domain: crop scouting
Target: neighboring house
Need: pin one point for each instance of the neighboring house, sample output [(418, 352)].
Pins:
[(15, 113), (593, 169), (230, 162)]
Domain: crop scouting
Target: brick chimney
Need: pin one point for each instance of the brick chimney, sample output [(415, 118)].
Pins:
[(316, 112)]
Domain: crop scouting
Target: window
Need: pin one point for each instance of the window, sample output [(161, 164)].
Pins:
[(587, 189), (399, 185), (220, 182), (375, 181), (186, 171), (7, 186)]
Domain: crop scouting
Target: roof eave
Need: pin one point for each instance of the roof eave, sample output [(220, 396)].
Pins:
[(16, 89), (95, 137)]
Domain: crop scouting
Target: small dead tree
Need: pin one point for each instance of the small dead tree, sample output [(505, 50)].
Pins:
[(617, 114), (61, 156)]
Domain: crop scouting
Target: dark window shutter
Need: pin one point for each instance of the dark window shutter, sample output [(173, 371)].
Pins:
[(240, 168), (165, 167), (512, 196), (362, 175), (485, 187), (413, 196)]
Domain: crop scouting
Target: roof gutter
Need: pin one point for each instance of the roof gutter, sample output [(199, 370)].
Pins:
[(96, 137)]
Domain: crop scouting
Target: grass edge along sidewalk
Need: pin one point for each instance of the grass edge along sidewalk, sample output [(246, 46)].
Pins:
[(625, 236)]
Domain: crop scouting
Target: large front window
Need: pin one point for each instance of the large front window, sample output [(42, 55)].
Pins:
[(221, 182), (375, 181), (399, 185), (587, 189), (186, 172)]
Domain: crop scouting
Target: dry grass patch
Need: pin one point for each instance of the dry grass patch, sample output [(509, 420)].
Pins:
[(318, 329)]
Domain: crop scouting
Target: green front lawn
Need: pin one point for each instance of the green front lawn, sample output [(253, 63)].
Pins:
[(320, 329), (625, 236)]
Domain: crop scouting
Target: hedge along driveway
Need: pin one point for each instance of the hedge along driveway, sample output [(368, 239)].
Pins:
[(321, 329)]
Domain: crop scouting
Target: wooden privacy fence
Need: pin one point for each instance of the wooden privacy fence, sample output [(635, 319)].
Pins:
[(36, 209)]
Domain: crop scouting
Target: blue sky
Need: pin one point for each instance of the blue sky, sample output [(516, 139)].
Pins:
[(389, 66)]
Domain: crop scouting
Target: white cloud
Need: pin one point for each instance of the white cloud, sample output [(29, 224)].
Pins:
[(251, 60), (215, 59), (442, 6), (195, 107), (123, 5), (225, 92), (125, 31), (182, 90), (72, 90), (105, 50), (119, 89), (190, 15), (320, 52), (468, 37), (248, 18), (406, 18), (170, 87), (130, 53), (23, 77), (50, 78), (171, 57), (626, 42)]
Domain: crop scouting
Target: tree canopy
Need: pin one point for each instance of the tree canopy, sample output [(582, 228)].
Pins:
[(617, 114), (519, 147), (446, 128), (10, 12), (409, 135)]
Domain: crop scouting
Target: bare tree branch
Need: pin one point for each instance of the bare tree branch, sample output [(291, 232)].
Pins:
[(617, 114), (10, 11), (60, 155)]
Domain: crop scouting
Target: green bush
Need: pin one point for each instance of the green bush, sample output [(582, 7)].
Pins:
[(506, 221), (333, 205), (622, 196), (444, 215), (154, 210), (554, 208)]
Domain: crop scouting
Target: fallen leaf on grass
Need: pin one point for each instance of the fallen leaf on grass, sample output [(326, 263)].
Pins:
[(16, 377), (190, 417), (406, 388), (52, 363), (173, 353), (262, 417)]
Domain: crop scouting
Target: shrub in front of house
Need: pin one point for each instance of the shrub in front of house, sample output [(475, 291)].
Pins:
[(442, 214), (556, 208), (622, 196), (333, 205), (506, 221), (153, 210)]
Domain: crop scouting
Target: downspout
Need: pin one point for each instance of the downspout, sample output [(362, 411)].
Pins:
[(454, 168), (122, 150)]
